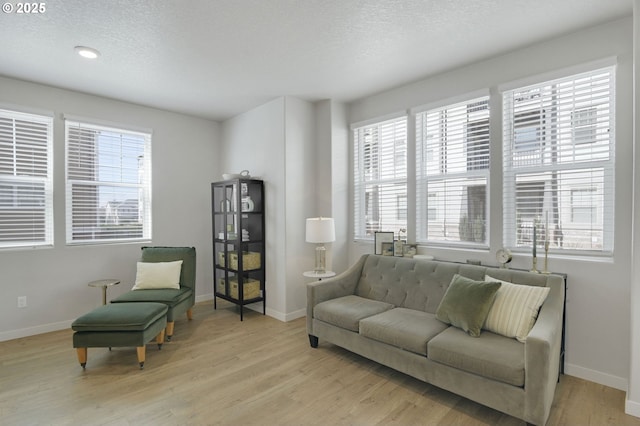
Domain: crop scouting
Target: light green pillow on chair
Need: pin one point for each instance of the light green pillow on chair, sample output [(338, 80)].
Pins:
[(466, 303)]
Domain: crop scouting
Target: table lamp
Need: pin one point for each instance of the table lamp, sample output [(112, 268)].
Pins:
[(320, 230)]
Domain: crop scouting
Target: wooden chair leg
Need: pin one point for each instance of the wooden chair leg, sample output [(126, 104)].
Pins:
[(189, 314), (160, 339), (170, 330), (141, 355), (82, 356)]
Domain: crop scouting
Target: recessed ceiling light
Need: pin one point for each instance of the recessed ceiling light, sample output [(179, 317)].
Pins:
[(87, 52)]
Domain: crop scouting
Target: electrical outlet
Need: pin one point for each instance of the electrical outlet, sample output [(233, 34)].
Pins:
[(22, 301)]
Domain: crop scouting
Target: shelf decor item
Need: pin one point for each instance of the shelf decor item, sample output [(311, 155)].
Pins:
[(504, 257), (534, 267), (239, 242), (546, 245), (320, 230), (382, 237)]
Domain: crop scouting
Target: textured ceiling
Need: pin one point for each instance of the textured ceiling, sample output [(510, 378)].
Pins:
[(218, 58)]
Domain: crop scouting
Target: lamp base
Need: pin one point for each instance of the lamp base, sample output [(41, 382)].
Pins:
[(321, 265)]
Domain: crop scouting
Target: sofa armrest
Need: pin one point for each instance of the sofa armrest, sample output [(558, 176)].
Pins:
[(542, 354), (341, 285)]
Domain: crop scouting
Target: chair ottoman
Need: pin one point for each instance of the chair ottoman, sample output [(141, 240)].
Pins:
[(120, 325)]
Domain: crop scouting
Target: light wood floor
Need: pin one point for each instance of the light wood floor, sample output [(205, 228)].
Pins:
[(218, 370)]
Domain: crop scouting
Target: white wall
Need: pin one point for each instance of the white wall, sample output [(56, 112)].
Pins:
[(184, 159), (632, 405), (302, 169), (275, 142), (254, 141), (332, 177), (340, 184), (597, 325)]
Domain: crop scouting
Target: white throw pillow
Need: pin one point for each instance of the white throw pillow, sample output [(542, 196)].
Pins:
[(150, 275), (515, 309)]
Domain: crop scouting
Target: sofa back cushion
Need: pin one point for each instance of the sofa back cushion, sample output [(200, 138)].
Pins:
[(405, 282), (421, 284)]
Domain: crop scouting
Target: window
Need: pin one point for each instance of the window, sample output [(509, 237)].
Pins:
[(108, 190), (380, 177), (452, 168), (26, 187), (559, 163), (583, 205)]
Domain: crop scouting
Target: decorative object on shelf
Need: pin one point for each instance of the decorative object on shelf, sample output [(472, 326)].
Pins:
[(546, 245), (398, 248), (534, 265), (246, 204), (398, 245), (387, 248), (320, 230), (504, 257), (242, 175), (410, 250), (381, 237)]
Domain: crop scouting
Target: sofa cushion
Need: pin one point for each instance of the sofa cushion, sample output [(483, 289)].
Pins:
[(466, 303), (346, 312), (490, 355), (515, 309), (405, 328)]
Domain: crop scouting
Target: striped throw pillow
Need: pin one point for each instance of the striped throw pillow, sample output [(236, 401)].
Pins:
[(515, 309)]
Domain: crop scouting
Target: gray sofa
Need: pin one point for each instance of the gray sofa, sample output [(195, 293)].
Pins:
[(383, 308)]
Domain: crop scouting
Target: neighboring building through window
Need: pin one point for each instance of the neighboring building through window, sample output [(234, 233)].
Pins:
[(380, 177), (558, 149), (108, 184), (452, 173), (26, 185)]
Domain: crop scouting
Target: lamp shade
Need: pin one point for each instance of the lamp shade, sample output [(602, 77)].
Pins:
[(320, 230)]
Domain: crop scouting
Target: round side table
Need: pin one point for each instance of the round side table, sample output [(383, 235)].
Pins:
[(104, 284), (319, 275)]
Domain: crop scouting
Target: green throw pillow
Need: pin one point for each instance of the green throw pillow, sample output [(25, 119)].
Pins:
[(466, 303)]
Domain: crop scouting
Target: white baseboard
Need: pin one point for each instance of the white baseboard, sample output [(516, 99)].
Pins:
[(204, 297), (32, 331), (258, 308), (615, 382), (632, 408)]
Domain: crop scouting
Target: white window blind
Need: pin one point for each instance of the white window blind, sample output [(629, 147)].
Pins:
[(452, 171), (380, 177), (108, 191), (26, 187), (559, 163)]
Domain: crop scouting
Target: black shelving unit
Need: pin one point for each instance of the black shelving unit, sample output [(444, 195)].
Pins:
[(237, 207)]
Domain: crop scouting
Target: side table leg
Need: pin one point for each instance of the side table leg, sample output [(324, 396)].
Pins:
[(104, 294)]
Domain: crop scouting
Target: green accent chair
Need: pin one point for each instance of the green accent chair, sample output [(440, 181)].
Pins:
[(179, 301)]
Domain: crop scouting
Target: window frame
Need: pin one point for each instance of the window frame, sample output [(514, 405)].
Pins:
[(563, 153), (362, 180), (475, 149), (114, 228), (15, 179)]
